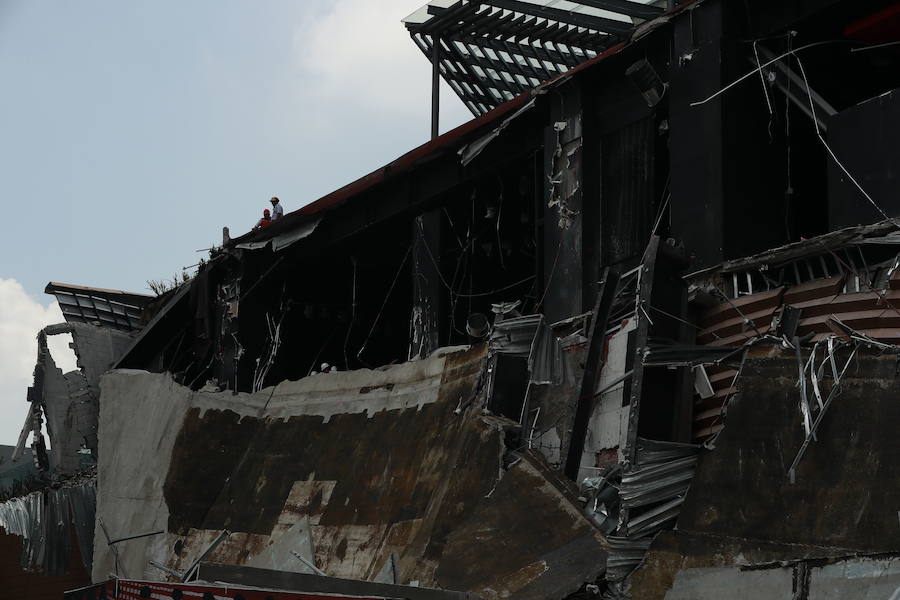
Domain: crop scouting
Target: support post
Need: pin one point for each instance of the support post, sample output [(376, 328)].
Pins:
[(642, 334), (435, 85), (561, 291), (424, 321), (592, 367), (423, 327)]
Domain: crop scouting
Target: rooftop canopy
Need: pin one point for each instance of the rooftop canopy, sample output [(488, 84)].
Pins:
[(98, 306), (493, 50)]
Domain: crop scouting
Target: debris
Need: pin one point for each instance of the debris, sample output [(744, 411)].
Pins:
[(812, 427)]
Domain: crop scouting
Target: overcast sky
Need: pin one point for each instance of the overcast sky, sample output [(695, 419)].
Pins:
[(132, 132)]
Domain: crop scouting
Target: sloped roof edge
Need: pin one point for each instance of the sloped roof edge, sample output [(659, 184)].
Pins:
[(453, 139)]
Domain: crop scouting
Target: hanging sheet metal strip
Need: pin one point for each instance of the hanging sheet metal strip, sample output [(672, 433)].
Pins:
[(42, 519)]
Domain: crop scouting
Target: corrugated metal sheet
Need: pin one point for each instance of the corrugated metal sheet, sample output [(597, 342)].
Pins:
[(514, 336), (654, 488), (43, 520), (632, 506), (531, 336)]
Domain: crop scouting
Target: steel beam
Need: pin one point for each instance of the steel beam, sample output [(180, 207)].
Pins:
[(625, 7), (563, 16)]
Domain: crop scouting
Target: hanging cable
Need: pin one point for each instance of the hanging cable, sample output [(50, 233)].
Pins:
[(765, 88), (874, 47), (384, 303), (315, 361), (830, 151), (679, 319), (747, 320), (499, 213), (789, 190), (764, 65), (880, 294), (550, 278), (470, 295), (352, 317)]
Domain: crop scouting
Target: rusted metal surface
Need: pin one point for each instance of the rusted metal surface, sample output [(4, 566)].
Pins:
[(417, 479), (369, 483), (533, 558)]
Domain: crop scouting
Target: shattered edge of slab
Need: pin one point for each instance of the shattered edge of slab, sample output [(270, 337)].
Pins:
[(415, 475)]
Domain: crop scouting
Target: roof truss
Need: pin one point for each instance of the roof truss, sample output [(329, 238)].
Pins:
[(107, 308), (493, 50)]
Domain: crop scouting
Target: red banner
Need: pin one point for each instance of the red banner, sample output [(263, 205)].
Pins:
[(126, 589)]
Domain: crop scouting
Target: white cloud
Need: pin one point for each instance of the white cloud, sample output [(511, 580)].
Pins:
[(361, 53), (362, 45), (21, 317)]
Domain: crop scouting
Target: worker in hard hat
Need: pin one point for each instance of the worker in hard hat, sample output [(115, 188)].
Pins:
[(277, 210), (265, 221)]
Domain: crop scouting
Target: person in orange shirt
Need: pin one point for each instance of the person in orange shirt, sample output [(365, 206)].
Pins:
[(265, 221)]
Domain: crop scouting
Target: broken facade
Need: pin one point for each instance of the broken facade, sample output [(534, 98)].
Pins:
[(53, 515), (615, 336), (417, 472)]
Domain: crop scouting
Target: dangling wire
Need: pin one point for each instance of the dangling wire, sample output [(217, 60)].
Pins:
[(352, 317), (384, 303), (765, 88), (764, 65), (789, 191), (831, 153), (500, 212), (540, 302)]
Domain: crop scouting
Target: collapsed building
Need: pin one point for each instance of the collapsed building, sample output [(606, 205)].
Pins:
[(48, 527), (630, 332)]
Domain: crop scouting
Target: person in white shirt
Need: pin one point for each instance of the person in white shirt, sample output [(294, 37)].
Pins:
[(277, 211)]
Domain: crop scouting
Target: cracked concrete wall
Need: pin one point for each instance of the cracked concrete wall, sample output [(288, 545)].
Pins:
[(742, 509), (96, 350), (71, 400), (142, 424), (71, 415), (380, 463), (847, 485), (850, 579)]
